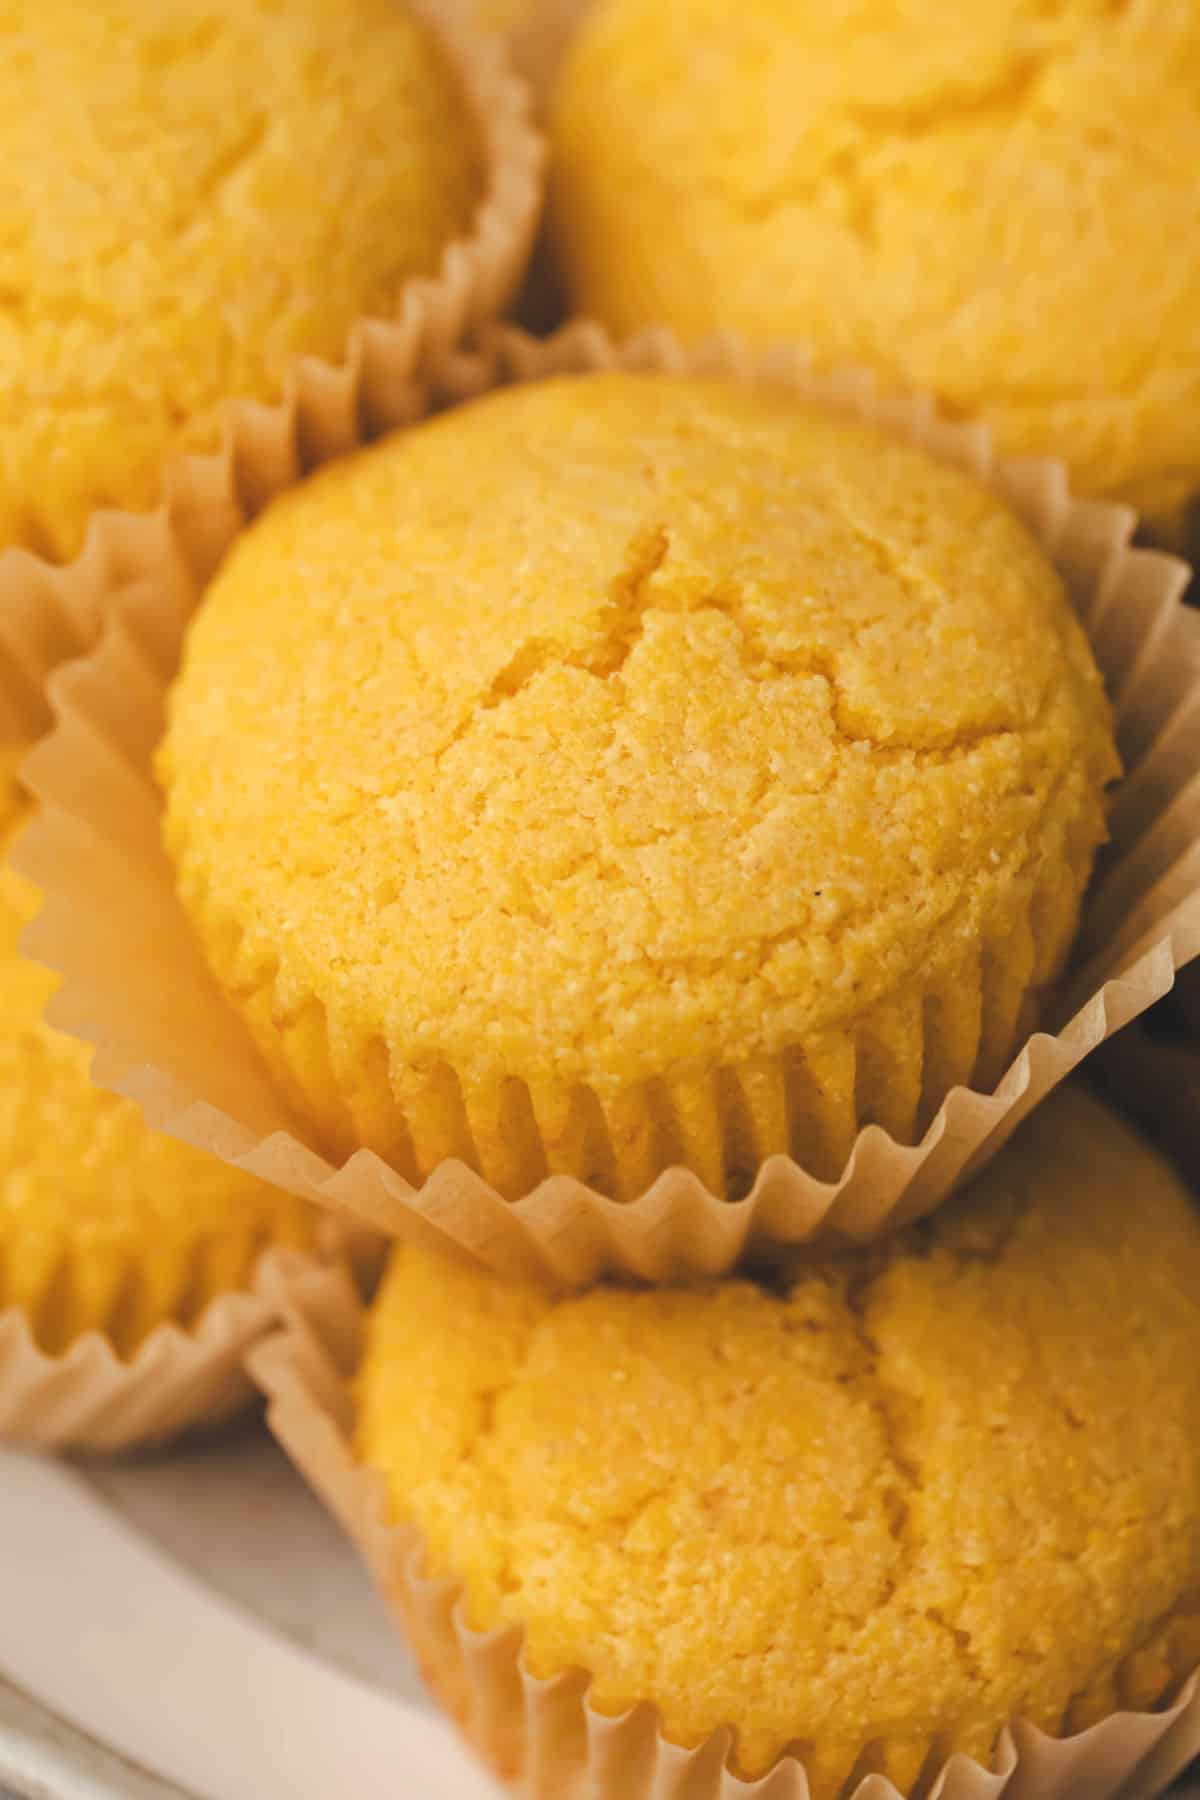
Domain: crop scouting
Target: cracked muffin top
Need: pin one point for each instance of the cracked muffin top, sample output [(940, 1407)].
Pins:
[(997, 213), (616, 723), (105, 1225), (884, 1504), (193, 194)]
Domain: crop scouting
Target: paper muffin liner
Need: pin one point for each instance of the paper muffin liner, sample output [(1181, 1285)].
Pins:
[(179, 1380), (137, 987), (1157, 1080), (1152, 1069), (537, 33), (49, 614), (545, 1739), (893, 1064), (539, 38)]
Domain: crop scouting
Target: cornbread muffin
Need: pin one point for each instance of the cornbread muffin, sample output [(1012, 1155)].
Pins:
[(104, 1224), (872, 1511), (629, 770), (193, 195), (997, 213)]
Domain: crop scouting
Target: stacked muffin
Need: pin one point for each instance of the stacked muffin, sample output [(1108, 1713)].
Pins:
[(642, 790), (229, 187), (864, 1510), (624, 772), (127, 1260), (989, 213)]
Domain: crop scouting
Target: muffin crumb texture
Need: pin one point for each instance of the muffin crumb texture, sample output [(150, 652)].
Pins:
[(996, 213), (869, 1513), (629, 770), (104, 1224), (192, 195)]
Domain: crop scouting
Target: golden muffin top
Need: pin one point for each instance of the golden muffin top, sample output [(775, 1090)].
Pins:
[(103, 1223), (192, 194), (900, 1495), (1000, 212), (618, 723)]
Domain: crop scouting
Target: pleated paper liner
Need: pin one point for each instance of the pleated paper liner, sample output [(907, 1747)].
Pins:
[(1153, 1069), (138, 989), (1154, 1073), (535, 32), (539, 34), (181, 1379), (325, 407), (542, 1736)]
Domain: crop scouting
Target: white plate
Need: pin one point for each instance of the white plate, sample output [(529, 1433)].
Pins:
[(199, 1615), (202, 1625)]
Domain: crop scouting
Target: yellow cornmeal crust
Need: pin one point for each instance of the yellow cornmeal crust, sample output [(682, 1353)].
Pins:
[(193, 195), (994, 213), (105, 1224), (871, 1512), (630, 770)]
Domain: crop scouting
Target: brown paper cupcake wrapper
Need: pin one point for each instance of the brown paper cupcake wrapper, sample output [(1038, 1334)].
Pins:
[(539, 40), (543, 1736), (1152, 1068), (1157, 1080), (136, 985), (536, 32), (178, 1380), (325, 407), (47, 616)]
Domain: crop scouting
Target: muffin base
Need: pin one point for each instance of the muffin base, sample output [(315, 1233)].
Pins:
[(177, 1381), (891, 1067), (543, 1737), (88, 1399), (137, 986)]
